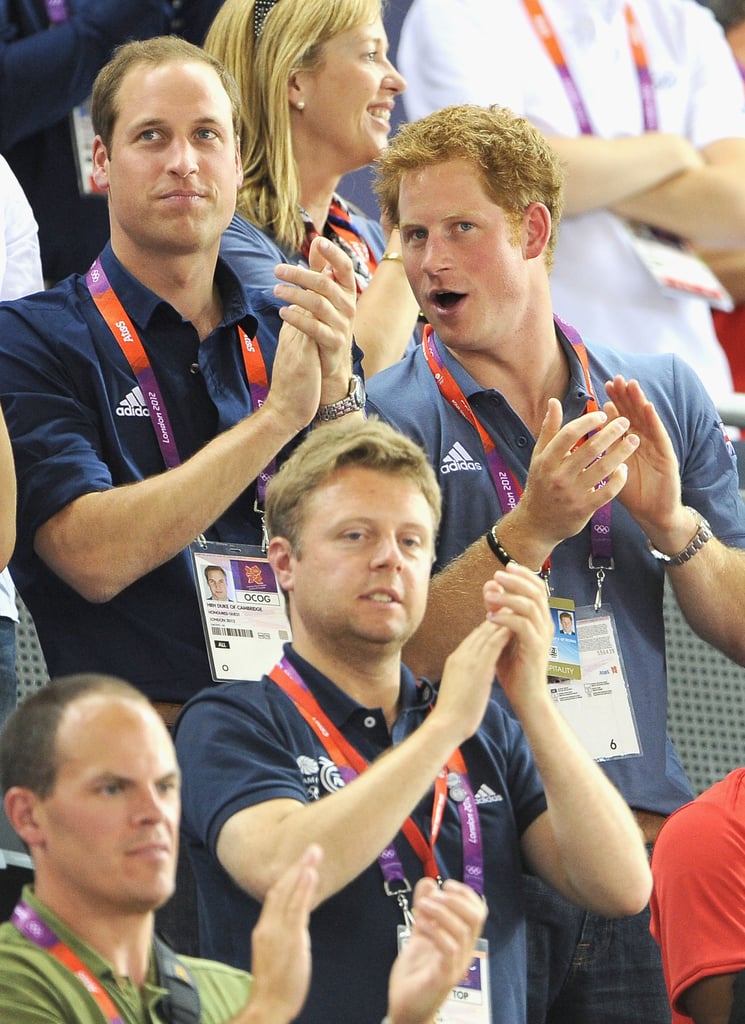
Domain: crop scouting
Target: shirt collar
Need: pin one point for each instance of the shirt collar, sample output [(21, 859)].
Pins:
[(339, 706), (141, 303), (99, 967)]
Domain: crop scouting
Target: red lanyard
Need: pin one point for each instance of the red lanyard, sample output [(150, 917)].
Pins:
[(505, 483), (36, 930), (545, 32), (115, 316), (352, 764)]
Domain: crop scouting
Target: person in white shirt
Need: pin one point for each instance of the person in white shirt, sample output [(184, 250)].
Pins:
[(20, 274), (658, 138)]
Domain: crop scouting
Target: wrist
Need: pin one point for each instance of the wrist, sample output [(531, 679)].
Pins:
[(675, 551), (500, 544), (351, 399)]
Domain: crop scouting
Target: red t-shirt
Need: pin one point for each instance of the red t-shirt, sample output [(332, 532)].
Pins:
[(730, 328), (698, 901)]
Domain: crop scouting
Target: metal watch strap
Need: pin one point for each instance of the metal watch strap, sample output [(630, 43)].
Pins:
[(352, 402), (701, 536)]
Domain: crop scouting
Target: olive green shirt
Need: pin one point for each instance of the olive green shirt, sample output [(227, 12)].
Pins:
[(35, 988)]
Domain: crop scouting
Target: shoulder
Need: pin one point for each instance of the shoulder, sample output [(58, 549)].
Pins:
[(223, 990), (409, 376), (251, 253), (35, 987), (241, 233)]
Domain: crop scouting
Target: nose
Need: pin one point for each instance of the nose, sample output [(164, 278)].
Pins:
[(394, 80), (434, 255), (149, 805), (387, 553), (182, 158)]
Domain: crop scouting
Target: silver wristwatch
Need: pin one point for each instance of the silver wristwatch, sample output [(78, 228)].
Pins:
[(353, 402), (700, 537)]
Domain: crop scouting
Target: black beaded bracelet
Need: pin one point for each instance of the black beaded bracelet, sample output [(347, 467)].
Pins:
[(493, 541)]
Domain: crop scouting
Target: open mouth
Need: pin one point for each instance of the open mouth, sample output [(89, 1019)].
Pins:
[(447, 300)]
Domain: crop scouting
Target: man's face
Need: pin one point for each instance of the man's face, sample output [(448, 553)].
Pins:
[(107, 836), (218, 584), (361, 581), (466, 267), (173, 167)]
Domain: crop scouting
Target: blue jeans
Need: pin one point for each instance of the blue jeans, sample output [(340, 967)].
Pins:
[(8, 679), (585, 969)]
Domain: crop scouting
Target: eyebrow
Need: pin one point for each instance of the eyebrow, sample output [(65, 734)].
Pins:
[(159, 122)]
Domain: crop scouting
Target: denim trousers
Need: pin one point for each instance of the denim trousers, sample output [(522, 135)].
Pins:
[(586, 969)]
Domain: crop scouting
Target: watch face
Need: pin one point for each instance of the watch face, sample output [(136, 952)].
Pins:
[(357, 391)]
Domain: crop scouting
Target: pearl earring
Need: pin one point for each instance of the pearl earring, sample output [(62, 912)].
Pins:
[(301, 104)]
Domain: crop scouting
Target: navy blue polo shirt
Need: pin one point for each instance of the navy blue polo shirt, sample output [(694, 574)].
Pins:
[(241, 744), (76, 420)]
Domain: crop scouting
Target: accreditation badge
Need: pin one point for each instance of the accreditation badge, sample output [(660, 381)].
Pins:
[(675, 266), (598, 704), (469, 1001), (242, 607), (81, 128)]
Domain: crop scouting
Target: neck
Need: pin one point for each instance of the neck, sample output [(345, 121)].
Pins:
[(369, 674), (186, 282), (123, 939), (317, 186), (528, 370)]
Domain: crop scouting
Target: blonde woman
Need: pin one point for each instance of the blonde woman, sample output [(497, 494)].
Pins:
[(318, 91)]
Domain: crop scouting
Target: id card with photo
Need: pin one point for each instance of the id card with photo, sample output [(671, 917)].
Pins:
[(242, 607), (469, 1002), (598, 706)]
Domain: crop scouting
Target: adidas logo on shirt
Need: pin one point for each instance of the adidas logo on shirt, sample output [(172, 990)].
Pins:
[(486, 795), (133, 404), (458, 459)]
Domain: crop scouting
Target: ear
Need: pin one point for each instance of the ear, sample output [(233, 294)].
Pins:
[(295, 90), (100, 172), (282, 560), (536, 230), (21, 807), (238, 164)]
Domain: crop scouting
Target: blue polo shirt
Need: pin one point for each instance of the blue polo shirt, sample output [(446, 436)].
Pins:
[(407, 396), (240, 744), (78, 425), (253, 254)]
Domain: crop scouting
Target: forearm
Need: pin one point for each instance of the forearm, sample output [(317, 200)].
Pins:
[(601, 173), (455, 604), (709, 591), (104, 541), (385, 318), (351, 826), (7, 497), (705, 205), (600, 861)]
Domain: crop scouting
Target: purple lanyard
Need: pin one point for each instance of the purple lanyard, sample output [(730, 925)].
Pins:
[(36, 930), (545, 32), (506, 486), (458, 784), (57, 11), (124, 331)]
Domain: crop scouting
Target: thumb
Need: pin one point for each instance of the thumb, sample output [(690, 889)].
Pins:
[(551, 425)]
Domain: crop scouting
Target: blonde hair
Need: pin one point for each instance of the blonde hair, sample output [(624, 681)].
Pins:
[(516, 164), (370, 444), (291, 40)]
